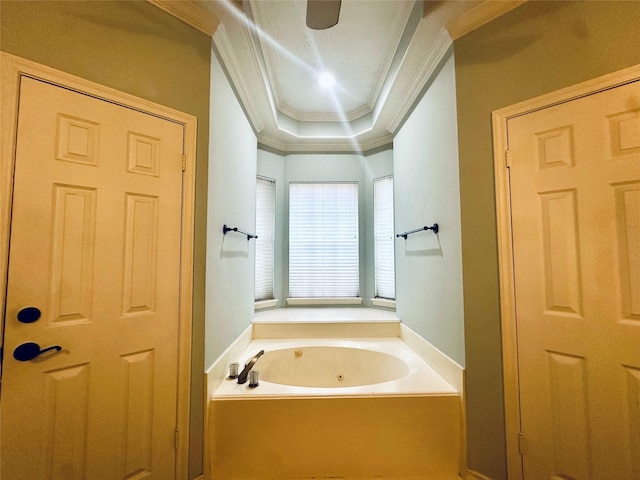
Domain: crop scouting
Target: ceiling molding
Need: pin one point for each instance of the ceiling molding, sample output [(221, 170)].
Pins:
[(230, 61), (479, 16), (267, 60), (438, 51), (395, 32), (191, 13), (254, 50), (326, 145), (324, 116)]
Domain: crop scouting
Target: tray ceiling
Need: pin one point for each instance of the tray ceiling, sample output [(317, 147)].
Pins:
[(382, 54)]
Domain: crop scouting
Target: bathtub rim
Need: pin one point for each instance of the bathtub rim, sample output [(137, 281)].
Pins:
[(422, 379)]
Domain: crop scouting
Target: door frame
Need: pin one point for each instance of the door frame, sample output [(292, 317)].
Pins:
[(12, 69), (505, 245)]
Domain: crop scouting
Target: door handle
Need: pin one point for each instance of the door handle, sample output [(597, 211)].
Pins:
[(29, 351)]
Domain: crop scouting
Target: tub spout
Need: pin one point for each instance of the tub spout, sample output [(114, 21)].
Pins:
[(242, 378)]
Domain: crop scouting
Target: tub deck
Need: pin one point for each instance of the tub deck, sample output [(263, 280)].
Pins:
[(422, 379)]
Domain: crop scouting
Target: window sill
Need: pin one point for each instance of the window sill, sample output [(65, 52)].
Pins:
[(326, 322), (259, 305), (383, 302), (325, 301)]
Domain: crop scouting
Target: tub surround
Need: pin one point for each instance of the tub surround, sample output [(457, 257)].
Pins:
[(326, 323), (406, 427), (363, 329), (447, 368), (385, 438), (332, 315), (353, 323), (332, 323)]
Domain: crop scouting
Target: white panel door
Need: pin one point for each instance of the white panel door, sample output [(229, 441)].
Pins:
[(575, 192), (95, 248)]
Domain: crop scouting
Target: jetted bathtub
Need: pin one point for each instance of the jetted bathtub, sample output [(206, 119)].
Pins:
[(335, 408), (327, 367)]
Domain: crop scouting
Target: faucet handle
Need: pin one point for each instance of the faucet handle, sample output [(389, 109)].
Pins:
[(233, 370), (253, 379)]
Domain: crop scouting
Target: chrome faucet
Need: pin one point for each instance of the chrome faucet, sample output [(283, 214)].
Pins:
[(242, 378)]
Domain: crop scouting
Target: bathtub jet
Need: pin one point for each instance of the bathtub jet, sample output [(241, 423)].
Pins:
[(242, 378)]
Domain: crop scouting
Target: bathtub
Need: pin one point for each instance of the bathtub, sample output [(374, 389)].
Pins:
[(335, 367), (335, 408)]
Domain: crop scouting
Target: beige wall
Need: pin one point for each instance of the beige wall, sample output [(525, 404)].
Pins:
[(537, 48), (138, 49)]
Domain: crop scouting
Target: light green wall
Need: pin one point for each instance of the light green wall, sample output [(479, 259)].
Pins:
[(138, 49), (429, 266), (232, 201), (537, 48)]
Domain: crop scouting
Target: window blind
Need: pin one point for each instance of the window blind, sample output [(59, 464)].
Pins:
[(265, 229), (385, 278), (323, 240)]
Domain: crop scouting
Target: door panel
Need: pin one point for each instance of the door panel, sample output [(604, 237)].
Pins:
[(574, 182), (95, 245), (628, 216)]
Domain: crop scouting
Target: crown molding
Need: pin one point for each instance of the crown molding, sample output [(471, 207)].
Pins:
[(258, 65), (394, 36), (314, 145), (191, 13), (438, 51), (276, 125), (479, 16), (324, 116), (230, 61), (267, 61), (396, 31)]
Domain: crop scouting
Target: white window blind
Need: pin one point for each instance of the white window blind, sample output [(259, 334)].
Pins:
[(265, 229), (323, 240), (385, 277)]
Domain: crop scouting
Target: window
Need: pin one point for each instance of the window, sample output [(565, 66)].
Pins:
[(385, 278), (265, 229), (323, 240)]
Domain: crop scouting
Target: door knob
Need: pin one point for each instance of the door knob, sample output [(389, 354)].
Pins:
[(29, 351)]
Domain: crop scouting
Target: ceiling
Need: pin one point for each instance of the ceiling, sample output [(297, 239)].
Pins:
[(358, 52), (382, 54)]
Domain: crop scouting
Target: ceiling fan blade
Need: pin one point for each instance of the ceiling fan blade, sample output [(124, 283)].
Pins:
[(322, 14)]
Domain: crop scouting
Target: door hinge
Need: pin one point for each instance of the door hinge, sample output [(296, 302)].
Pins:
[(521, 443), (507, 158), (184, 162), (176, 438)]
